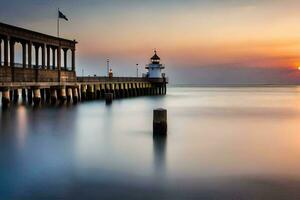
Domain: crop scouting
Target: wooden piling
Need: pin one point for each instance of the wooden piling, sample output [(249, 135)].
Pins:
[(160, 121)]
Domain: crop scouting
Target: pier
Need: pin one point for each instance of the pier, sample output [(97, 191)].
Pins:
[(44, 75)]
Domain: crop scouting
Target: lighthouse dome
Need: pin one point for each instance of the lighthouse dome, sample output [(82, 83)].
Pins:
[(155, 58)]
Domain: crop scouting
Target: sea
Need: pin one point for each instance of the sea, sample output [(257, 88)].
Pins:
[(222, 143)]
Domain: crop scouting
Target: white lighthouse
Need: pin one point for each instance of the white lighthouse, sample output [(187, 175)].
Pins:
[(154, 67)]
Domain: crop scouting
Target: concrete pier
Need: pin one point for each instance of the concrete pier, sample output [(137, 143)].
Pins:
[(49, 79), (160, 121)]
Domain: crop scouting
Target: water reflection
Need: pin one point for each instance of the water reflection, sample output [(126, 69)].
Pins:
[(159, 147)]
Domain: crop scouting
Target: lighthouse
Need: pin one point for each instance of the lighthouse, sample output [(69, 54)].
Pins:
[(154, 67)]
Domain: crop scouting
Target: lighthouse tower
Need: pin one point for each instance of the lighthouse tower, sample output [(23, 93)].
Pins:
[(154, 67)]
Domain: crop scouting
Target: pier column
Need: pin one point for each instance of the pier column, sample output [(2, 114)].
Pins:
[(24, 95), (53, 95), (117, 91), (75, 95), (65, 58), (102, 91), (48, 57), (126, 94), (24, 53), (37, 47), (59, 62), (29, 96), (69, 94), (83, 92), (73, 59), (53, 58), (36, 96), (48, 95), (16, 96), (42, 94), (5, 51), (30, 54), (12, 52), (0, 51), (98, 91), (5, 97), (90, 92), (62, 94), (43, 46)]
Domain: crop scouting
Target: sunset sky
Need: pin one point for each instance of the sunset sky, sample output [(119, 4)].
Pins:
[(208, 41)]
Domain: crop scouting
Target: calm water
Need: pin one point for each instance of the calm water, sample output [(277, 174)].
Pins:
[(223, 143)]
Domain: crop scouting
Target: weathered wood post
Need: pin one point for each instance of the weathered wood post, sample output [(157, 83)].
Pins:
[(5, 97), (29, 96), (108, 98), (160, 121)]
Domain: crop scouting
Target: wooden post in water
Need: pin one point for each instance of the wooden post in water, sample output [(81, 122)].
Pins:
[(108, 98), (36, 96), (160, 122)]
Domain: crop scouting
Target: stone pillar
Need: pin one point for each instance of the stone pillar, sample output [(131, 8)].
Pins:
[(48, 57), (117, 91), (43, 94), (53, 96), (59, 62), (0, 52), (30, 54), (37, 47), (29, 96), (53, 58), (62, 94), (43, 56), (48, 95), (83, 92), (16, 96), (12, 52), (102, 91), (108, 98), (90, 92), (5, 97), (73, 59), (24, 95), (98, 91), (69, 94), (24, 53), (65, 58), (36, 96), (75, 95), (160, 121), (6, 52)]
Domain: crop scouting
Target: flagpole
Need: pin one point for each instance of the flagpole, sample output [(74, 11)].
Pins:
[(58, 22)]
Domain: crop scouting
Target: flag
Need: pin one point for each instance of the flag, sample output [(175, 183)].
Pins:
[(62, 16)]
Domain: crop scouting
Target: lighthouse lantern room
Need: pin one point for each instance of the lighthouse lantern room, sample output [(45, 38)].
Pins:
[(154, 67)]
